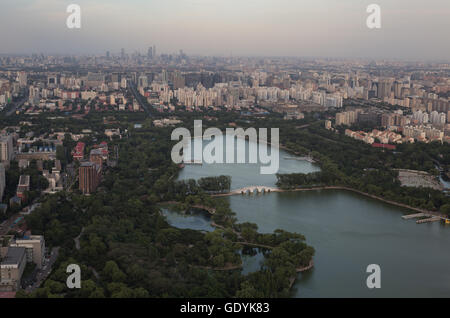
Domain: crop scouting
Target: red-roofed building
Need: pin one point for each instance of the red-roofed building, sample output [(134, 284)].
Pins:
[(78, 152)]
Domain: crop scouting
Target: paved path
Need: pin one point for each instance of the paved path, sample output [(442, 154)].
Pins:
[(77, 239)]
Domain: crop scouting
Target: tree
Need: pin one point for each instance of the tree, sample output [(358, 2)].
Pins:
[(112, 273)]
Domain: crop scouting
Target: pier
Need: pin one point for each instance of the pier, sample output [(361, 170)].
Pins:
[(424, 218), (429, 220), (413, 216)]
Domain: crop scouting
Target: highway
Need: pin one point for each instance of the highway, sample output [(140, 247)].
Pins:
[(138, 97)]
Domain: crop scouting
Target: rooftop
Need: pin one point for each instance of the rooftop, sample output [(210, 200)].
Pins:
[(96, 152), (87, 164), (24, 180), (14, 256)]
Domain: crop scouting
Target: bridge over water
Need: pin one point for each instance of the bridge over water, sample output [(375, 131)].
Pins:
[(251, 190)]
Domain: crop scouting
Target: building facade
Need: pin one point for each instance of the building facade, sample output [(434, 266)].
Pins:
[(89, 177)]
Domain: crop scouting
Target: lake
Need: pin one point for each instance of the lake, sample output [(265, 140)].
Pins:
[(348, 231)]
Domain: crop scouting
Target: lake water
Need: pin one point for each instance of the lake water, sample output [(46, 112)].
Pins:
[(348, 231), (194, 221)]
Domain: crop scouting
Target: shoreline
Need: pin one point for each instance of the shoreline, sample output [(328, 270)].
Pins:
[(402, 205)]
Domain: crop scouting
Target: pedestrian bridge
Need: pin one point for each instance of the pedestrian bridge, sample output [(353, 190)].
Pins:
[(254, 189)]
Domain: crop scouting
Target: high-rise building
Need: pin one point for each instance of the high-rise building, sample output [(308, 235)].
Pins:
[(346, 118), (6, 148), (384, 89), (89, 177), (164, 76), (2, 181), (398, 89)]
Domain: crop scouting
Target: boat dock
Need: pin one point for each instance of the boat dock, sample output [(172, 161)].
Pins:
[(424, 218), (429, 220), (413, 216)]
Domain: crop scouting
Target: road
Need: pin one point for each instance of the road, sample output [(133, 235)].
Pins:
[(16, 105), (45, 271), (139, 97)]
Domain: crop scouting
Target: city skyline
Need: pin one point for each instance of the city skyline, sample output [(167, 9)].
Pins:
[(410, 30)]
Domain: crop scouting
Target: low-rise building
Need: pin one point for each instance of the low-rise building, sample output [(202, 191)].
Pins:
[(78, 152), (12, 265), (35, 248)]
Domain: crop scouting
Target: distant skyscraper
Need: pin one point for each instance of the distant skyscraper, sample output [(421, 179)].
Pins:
[(178, 80), (122, 53), (22, 79), (154, 50), (150, 53), (164, 76)]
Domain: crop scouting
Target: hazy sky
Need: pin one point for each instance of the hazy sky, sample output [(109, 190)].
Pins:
[(411, 29)]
